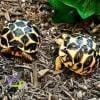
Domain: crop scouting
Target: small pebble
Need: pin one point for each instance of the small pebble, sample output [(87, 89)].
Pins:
[(23, 0), (84, 87), (80, 94), (97, 84)]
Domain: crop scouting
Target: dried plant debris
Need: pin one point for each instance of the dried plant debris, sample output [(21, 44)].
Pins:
[(38, 80)]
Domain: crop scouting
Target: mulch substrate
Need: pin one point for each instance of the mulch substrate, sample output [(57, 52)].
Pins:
[(46, 83)]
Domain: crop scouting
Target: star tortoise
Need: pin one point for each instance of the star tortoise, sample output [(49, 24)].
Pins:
[(20, 38), (78, 52)]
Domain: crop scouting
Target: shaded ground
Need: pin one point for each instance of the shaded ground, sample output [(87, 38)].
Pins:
[(48, 85)]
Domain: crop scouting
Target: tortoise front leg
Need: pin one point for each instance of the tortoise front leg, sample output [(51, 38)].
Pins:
[(26, 56), (5, 50), (58, 63)]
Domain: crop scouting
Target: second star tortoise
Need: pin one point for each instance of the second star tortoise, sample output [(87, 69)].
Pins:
[(78, 52)]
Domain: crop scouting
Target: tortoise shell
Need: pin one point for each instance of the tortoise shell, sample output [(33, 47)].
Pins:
[(77, 52), (20, 38)]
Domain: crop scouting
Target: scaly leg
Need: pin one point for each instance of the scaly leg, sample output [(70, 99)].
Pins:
[(26, 56), (5, 50), (58, 63)]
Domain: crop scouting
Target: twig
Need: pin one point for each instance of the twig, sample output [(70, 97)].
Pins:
[(81, 86), (42, 53), (35, 76), (50, 95), (95, 92), (49, 82), (67, 93), (10, 0)]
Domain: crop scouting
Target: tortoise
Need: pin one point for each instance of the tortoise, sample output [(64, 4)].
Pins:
[(77, 52), (20, 38)]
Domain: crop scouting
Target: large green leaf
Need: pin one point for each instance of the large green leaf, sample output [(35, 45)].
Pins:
[(85, 8), (62, 12), (67, 10)]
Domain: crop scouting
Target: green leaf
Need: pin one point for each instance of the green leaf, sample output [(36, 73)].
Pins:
[(62, 12), (68, 10), (85, 8)]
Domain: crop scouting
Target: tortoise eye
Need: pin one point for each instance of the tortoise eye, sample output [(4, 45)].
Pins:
[(78, 56), (88, 61)]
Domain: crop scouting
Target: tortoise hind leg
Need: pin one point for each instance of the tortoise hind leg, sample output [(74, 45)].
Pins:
[(58, 63)]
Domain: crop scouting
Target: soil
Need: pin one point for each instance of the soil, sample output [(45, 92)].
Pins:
[(46, 83)]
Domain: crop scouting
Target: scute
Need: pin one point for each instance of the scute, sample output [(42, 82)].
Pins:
[(88, 61), (31, 46), (4, 41), (5, 30), (33, 37), (78, 56), (20, 23), (9, 36), (18, 32), (11, 26), (27, 29), (16, 44), (24, 39)]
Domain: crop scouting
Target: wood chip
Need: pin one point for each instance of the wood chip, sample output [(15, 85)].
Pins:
[(97, 84), (42, 72), (64, 90), (7, 16)]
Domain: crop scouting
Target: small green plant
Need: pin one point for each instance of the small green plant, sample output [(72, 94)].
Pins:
[(71, 10)]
